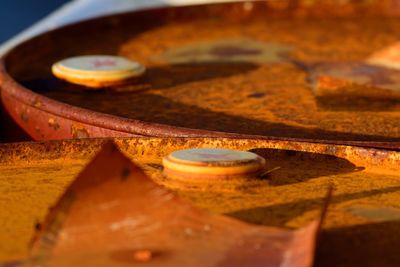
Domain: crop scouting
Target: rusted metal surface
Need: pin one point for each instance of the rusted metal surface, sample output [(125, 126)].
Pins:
[(113, 214), (256, 85), (43, 125), (364, 205)]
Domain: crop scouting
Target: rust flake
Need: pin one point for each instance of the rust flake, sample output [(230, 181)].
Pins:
[(36, 103), (53, 124), (79, 132), (24, 116)]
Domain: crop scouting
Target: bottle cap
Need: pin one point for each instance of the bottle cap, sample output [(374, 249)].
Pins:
[(212, 163), (97, 70)]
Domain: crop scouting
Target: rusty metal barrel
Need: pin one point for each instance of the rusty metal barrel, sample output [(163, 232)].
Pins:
[(273, 70)]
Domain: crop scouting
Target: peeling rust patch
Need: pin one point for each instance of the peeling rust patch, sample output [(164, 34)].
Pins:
[(129, 256), (24, 116), (53, 124), (256, 95), (79, 132), (36, 103), (155, 166)]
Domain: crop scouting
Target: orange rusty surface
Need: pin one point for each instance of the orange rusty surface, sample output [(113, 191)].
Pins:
[(113, 214), (363, 217), (237, 68)]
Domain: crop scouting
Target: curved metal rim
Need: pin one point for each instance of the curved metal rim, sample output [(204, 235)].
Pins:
[(22, 94)]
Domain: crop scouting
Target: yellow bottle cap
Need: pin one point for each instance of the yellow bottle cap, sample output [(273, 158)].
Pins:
[(97, 70), (212, 163)]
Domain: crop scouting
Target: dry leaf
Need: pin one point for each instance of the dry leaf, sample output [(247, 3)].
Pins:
[(114, 215)]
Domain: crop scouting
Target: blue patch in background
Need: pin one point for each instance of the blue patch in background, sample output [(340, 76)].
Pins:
[(17, 15)]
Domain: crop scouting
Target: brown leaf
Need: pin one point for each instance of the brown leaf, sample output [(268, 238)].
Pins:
[(114, 215)]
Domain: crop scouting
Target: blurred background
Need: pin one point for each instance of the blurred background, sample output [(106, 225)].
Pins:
[(16, 15)]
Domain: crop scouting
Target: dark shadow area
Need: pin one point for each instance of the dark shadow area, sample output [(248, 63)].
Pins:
[(357, 103), (277, 215), (164, 77), (297, 166), (9, 130), (368, 245), (160, 77)]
